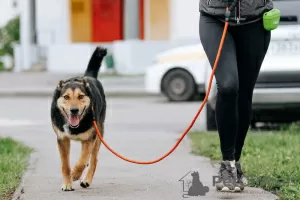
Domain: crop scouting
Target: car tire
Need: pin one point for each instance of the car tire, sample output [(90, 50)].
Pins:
[(183, 79), (211, 124), (253, 124)]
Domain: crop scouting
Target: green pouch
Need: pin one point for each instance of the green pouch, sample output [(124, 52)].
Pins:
[(271, 19)]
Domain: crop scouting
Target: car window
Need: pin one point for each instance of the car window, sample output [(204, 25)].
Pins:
[(289, 9)]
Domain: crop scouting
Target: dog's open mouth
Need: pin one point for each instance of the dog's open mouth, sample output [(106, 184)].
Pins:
[(74, 120)]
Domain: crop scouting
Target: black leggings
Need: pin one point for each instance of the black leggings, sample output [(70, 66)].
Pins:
[(240, 61)]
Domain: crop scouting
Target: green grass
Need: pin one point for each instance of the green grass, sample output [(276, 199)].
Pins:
[(275, 155), (13, 162)]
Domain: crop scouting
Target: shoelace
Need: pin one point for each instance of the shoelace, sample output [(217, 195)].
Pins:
[(229, 171)]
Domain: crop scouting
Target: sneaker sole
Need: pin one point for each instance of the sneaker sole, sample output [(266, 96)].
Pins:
[(226, 189), (237, 189)]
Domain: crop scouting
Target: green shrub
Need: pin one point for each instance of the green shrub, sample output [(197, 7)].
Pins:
[(9, 35)]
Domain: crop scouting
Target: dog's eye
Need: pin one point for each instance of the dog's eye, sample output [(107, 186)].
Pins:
[(80, 96), (66, 97)]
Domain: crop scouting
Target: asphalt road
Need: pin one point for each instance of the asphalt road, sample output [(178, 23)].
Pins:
[(142, 129)]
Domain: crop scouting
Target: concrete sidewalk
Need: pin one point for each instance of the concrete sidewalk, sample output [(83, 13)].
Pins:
[(142, 129), (38, 84)]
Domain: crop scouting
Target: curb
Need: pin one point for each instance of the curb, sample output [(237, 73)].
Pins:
[(31, 166), (46, 93)]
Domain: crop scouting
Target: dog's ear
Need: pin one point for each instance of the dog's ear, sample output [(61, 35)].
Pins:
[(60, 84), (58, 89)]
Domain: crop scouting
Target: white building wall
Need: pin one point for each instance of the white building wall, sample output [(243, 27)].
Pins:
[(53, 29), (184, 19), (25, 34), (52, 21), (7, 11)]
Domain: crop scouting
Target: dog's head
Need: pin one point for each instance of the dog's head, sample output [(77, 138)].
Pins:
[(195, 174), (73, 99)]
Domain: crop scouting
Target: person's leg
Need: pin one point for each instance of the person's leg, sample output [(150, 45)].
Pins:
[(252, 42), (227, 82), (226, 106)]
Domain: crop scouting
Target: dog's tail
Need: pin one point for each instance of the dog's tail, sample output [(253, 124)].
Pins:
[(95, 62)]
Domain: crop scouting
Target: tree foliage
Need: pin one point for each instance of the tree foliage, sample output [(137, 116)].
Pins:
[(9, 35)]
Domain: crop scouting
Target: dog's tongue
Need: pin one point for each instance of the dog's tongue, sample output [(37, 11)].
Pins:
[(74, 120)]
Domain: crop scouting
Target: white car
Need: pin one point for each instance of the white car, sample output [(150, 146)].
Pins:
[(183, 73), (178, 73)]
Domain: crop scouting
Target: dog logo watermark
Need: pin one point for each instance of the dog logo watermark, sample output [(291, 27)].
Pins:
[(192, 186)]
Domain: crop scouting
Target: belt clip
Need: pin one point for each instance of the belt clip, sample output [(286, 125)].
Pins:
[(227, 15)]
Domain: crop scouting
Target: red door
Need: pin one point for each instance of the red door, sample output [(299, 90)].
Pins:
[(107, 20)]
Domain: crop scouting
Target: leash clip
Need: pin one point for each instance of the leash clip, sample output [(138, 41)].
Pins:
[(229, 9), (227, 15)]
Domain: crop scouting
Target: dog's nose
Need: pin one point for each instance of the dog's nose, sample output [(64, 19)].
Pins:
[(74, 111)]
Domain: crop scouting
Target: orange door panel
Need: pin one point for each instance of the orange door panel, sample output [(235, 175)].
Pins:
[(81, 20), (159, 19), (107, 20)]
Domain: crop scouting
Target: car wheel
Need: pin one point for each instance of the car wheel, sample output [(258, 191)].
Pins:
[(253, 124), (179, 85), (211, 124)]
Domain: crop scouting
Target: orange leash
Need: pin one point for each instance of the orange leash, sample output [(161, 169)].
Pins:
[(189, 127)]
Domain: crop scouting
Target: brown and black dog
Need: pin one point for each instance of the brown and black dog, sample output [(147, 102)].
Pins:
[(72, 119)]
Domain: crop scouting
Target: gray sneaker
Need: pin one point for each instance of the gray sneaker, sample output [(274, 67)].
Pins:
[(228, 176), (239, 183)]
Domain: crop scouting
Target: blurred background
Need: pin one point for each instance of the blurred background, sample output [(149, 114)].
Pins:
[(53, 32), (155, 76), (153, 49)]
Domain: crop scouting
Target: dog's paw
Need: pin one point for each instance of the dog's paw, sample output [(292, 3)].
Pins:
[(67, 187), (75, 176), (84, 184), (77, 171)]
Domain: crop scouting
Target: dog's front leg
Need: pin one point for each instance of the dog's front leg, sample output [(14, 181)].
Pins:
[(92, 167), (64, 150), (86, 149)]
